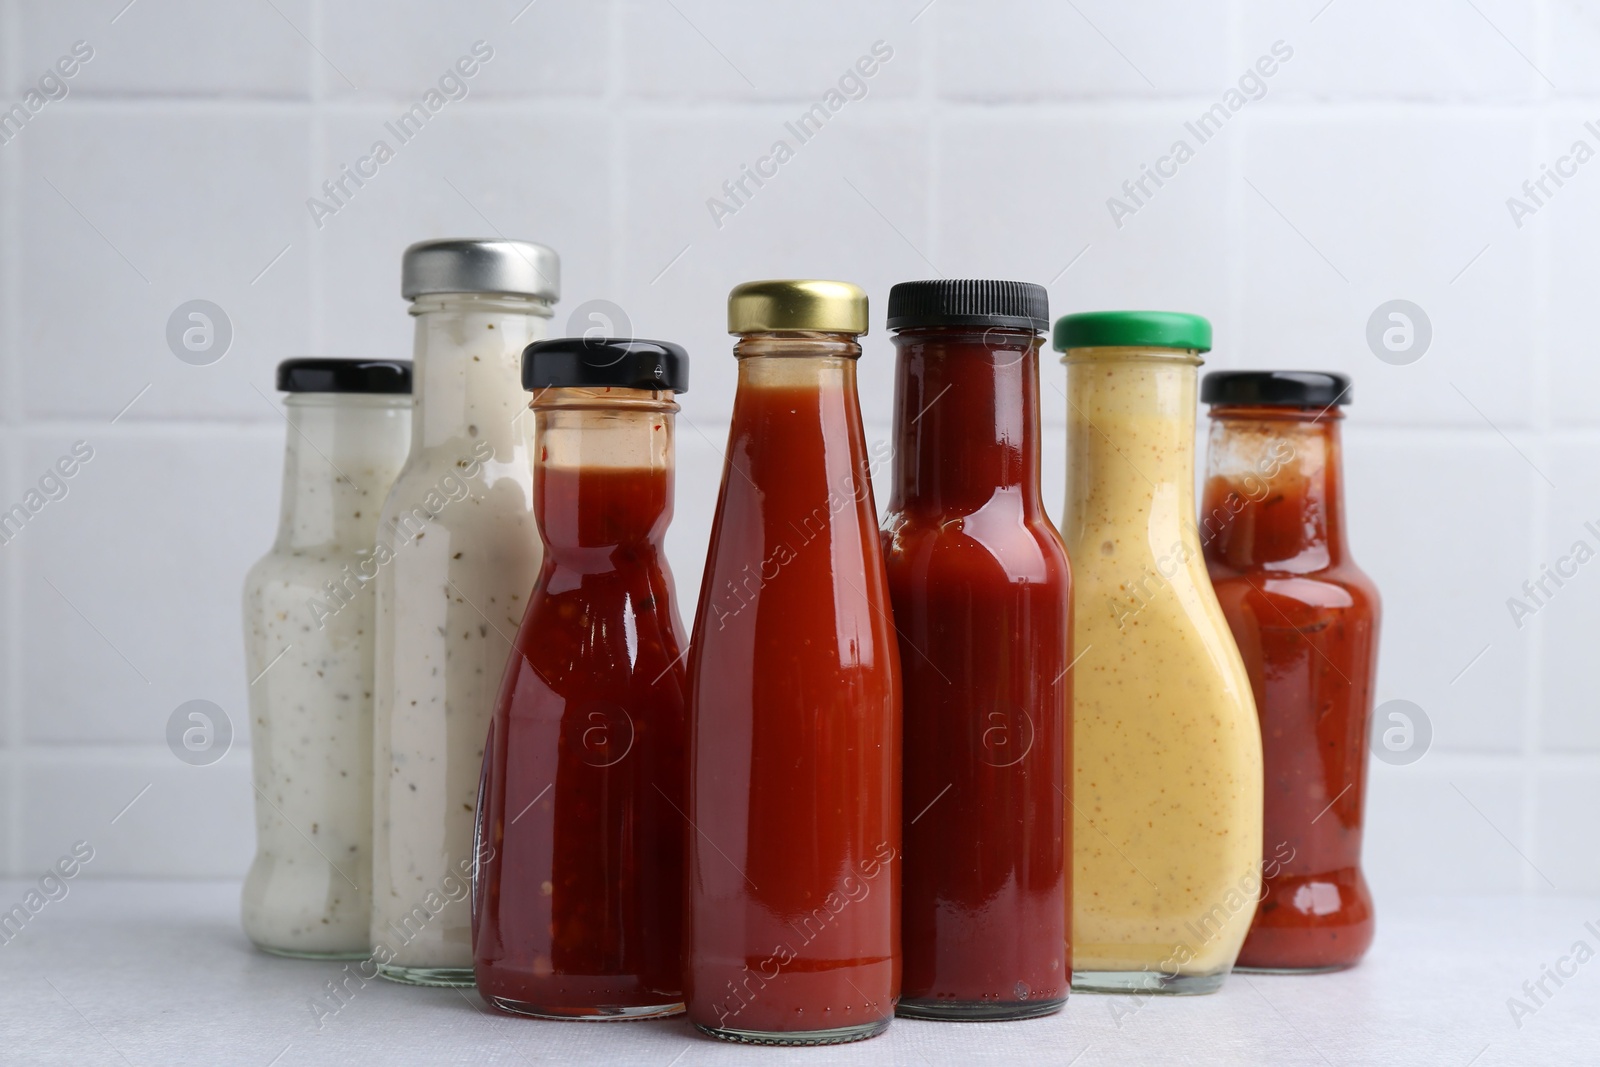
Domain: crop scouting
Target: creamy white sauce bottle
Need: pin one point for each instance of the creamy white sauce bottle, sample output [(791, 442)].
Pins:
[(308, 614), (466, 551)]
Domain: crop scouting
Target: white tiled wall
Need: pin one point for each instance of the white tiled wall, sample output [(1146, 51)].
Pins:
[(1375, 165)]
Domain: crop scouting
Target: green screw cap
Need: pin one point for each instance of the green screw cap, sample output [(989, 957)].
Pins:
[(1132, 329)]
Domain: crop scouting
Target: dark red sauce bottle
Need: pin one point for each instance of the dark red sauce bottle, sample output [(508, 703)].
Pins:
[(1305, 618), (578, 900), (982, 596)]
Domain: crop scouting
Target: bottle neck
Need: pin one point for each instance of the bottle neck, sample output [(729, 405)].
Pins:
[(343, 451), (467, 366), (966, 416), (818, 360), (603, 472), (1274, 496), (811, 376), (796, 431), (1130, 444)]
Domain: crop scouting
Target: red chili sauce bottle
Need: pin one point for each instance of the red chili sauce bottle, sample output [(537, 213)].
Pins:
[(794, 711), (1306, 621), (578, 899), (982, 596)]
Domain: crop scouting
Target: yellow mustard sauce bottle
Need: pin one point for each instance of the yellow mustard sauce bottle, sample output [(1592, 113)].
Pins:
[(1167, 779)]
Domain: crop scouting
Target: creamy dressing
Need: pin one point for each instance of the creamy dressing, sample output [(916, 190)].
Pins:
[(1168, 781), (466, 553), (308, 614)]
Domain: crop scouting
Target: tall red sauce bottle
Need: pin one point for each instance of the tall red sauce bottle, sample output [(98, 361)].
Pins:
[(982, 596), (794, 712), (1305, 618)]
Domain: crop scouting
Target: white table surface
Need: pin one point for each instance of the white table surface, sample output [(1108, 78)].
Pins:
[(147, 973)]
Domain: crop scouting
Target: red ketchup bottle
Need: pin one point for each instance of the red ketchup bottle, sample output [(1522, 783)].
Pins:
[(1305, 618), (982, 596), (794, 747), (578, 899)]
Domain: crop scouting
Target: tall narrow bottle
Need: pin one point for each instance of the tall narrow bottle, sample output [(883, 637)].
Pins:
[(459, 525), (578, 905), (982, 598), (1167, 755), (1306, 620), (794, 752)]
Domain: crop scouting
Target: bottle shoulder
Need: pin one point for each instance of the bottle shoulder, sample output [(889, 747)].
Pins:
[(1028, 540), (468, 459), (305, 563), (600, 631), (957, 560), (438, 492), (1343, 585)]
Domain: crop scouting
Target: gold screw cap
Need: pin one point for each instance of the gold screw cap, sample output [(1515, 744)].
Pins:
[(797, 306)]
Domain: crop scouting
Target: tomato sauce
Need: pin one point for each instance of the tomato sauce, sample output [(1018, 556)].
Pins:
[(579, 905), (1306, 621), (794, 863), (982, 598)]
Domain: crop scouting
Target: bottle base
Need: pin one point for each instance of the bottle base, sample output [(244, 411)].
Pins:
[(447, 977), (1142, 983), (839, 1036), (978, 1011), (302, 954), (1326, 968), (601, 1013)]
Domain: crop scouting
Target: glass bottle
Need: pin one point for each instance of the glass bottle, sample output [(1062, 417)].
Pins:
[(1306, 621), (466, 552), (1167, 755), (794, 708), (982, 596), (578, 903), (308, 648)]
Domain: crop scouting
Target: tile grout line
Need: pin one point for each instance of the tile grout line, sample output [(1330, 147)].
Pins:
[(11, 410), (618, 143), (10, 49), (1442, 435), (926, 40), (16, 724), (1235, 243), (316, 334), (1460, 761), (11, 440), (1543, 496), (378, 101), (147, 429)]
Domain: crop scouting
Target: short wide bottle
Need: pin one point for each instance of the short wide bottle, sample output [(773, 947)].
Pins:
[(1167, 755), (794, 773), (1306, 621), (578, 902), (308, 612)]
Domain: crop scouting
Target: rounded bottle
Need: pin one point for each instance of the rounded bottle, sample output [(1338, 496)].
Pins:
[(1167, 755), (578, 901), (308, 613), (1306, 621)]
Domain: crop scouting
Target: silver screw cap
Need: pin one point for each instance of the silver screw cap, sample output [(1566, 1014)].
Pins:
[(493, 265)]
